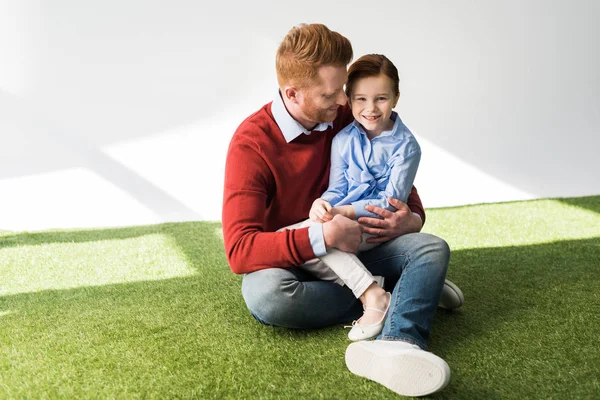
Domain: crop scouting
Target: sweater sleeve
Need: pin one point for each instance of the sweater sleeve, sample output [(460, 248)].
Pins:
[(415, 205), (248, 188)]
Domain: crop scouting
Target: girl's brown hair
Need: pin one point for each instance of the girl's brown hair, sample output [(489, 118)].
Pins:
[(372, 65)]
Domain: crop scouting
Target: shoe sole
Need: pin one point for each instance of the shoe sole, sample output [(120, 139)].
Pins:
[(409, 373), (458, 299)]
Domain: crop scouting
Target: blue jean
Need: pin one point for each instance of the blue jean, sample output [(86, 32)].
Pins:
[(414, 266)]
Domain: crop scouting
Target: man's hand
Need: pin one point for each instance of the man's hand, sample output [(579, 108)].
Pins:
[(320, 211), (392, 224), (343, 234)]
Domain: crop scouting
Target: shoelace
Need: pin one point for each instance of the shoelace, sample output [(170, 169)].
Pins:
[(357, 322), (354, 323)]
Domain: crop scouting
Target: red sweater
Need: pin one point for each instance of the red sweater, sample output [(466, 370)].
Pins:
[(269, 184)]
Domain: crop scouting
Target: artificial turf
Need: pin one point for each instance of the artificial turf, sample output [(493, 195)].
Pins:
[(155, 312)]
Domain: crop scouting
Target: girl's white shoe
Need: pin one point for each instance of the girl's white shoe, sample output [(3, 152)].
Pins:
[(364, 332)]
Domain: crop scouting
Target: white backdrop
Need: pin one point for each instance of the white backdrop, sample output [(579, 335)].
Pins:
[(120, 112)]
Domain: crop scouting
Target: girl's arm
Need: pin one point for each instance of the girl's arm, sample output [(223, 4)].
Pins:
[(402, 177)]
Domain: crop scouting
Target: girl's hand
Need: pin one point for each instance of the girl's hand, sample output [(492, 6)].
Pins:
[(347, 211), (320, 211)]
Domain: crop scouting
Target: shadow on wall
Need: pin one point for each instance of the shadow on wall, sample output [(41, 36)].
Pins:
[(38, 144), (90, 86), (511, 89)]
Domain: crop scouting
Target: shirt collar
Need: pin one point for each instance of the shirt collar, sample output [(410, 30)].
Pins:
[(395, 129), (291, 128)]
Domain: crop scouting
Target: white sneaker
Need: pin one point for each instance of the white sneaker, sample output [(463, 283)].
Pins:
[(399, 366), (452, 297)]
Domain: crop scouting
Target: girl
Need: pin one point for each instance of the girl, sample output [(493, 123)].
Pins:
[(372, 159)]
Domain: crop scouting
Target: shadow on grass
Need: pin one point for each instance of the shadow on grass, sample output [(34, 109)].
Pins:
[(591, 203), (529, 316), (499, 282), (524, 331)]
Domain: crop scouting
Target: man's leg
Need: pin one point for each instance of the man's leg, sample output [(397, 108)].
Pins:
[(397, 359), (451, 297), (416, 266), (294, 298)]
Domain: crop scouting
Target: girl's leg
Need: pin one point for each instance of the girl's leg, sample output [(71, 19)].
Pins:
[(357, 277), (345, 268), (348, 268)]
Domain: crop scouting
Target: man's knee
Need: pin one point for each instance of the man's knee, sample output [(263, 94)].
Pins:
[(437, 250), (423, 249), (439, 245), (264, 294)]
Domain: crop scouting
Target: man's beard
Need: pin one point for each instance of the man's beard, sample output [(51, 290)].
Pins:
[(316, 114)]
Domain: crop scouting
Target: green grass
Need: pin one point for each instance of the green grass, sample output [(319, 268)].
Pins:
[(154, 312)]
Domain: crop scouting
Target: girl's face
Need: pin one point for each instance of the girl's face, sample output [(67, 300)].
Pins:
[(372, 101)]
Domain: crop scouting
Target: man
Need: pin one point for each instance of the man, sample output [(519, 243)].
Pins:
[(277, 164)]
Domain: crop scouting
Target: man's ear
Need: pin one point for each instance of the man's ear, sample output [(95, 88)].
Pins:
[(291, 93)]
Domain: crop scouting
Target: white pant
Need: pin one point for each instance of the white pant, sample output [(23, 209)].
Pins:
[(339, 266)]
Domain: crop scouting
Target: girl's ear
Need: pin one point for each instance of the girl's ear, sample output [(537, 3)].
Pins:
[(396, 100)]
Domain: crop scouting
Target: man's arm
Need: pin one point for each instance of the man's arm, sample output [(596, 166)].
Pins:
[(248, 186), (409, 217)]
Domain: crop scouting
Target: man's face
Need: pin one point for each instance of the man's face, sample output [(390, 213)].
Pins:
[(320, 102)]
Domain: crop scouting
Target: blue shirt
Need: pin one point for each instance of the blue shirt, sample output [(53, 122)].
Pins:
[(291, 129), (367, 172)]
